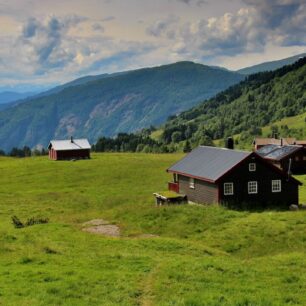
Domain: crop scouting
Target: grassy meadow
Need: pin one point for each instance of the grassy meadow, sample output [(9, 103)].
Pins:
[(197, 255)]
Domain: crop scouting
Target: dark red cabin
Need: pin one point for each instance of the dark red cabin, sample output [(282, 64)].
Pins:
[(234, 178), (69, 149)]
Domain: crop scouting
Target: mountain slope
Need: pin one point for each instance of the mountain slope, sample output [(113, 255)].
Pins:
[(123, 102), (260, 100), (271, 66), (10, 96)]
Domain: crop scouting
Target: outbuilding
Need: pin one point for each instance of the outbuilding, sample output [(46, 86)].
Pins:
[(290, 158), (69, 149), (233, 178)]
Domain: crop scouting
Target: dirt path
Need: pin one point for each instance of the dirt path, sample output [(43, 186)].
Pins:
[(101, 227)]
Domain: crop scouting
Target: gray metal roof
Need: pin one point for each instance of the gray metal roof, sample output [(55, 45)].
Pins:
[(281, 152), (209, 163), (63, 145), (263, 151)]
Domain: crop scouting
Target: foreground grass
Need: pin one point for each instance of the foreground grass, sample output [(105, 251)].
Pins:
[(201, 255)]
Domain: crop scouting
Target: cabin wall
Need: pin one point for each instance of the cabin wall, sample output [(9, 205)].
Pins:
[(52, 154), (203, 192), (70, 154), (263, 176), (298, 162)]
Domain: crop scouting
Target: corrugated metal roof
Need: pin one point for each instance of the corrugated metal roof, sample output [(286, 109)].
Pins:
[(263, 151), (76, 144), (209, 163), (281, 152)]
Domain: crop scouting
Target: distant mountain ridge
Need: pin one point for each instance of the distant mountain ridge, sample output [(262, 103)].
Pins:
[(271, 66), (10, 96), (108, 104)]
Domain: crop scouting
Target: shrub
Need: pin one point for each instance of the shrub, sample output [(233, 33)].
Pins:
[(17, 223), (31, 221)]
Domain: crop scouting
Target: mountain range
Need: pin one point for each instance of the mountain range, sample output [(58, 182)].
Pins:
[(271, 66), (107, 104), (10, 96), (111, 104), (260, 100)]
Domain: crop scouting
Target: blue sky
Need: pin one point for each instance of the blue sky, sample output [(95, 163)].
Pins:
[(44, 43)]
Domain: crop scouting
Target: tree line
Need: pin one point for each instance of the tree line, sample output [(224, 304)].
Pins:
[(24, 152)]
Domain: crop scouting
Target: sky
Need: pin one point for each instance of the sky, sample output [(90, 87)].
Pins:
[(45, 43)]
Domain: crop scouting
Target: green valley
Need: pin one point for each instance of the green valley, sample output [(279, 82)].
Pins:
[(174, 255)]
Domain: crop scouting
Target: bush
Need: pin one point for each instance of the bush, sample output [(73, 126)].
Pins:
[(32, 221), (17, 223)]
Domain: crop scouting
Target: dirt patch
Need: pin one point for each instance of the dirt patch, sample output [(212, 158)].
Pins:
[(101, 227), (95, 222), (147, 236)]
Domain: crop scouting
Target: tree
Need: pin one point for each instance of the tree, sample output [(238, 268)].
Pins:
[(187, 147), (176, 137)]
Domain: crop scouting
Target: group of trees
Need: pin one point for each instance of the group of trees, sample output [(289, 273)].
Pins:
[(24, 152), (130, 143)]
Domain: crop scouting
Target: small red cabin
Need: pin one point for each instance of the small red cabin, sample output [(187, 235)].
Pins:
[(69, 149)]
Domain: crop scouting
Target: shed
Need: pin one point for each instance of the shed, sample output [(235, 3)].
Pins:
[(234, 178), (69, 149), (259, 142), (290, 158)]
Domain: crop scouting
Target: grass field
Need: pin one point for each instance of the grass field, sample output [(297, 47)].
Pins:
[(201, 255)]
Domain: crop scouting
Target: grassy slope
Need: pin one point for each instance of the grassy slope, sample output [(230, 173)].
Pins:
[(295, 123), (204, 255)]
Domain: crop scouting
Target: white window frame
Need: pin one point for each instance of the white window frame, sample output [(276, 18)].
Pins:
[(228, 188), (191, 183), (252, 167), (252, 187), (276, 186)]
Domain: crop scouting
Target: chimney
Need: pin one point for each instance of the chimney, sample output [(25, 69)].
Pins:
[(71, 139), (230, 143)]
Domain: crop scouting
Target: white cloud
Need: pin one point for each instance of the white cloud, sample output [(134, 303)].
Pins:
[(110, 37)]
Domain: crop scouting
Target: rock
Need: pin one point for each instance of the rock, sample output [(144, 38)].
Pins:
[(293, 207)]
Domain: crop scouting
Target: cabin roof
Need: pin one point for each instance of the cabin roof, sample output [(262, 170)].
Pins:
[(65, 145), (277, 152), (209, 163), (274, 141)]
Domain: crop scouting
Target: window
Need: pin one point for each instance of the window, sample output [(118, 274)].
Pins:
[(252, 167), (304, 158), (276, 185), (252, 187), (296, 158), (228, 188), (191, 183)]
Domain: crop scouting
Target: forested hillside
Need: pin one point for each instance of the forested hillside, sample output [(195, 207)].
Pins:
[(256, 102), (118, 103)]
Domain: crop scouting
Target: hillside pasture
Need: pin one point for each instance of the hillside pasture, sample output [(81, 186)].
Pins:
[(172, 255)]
